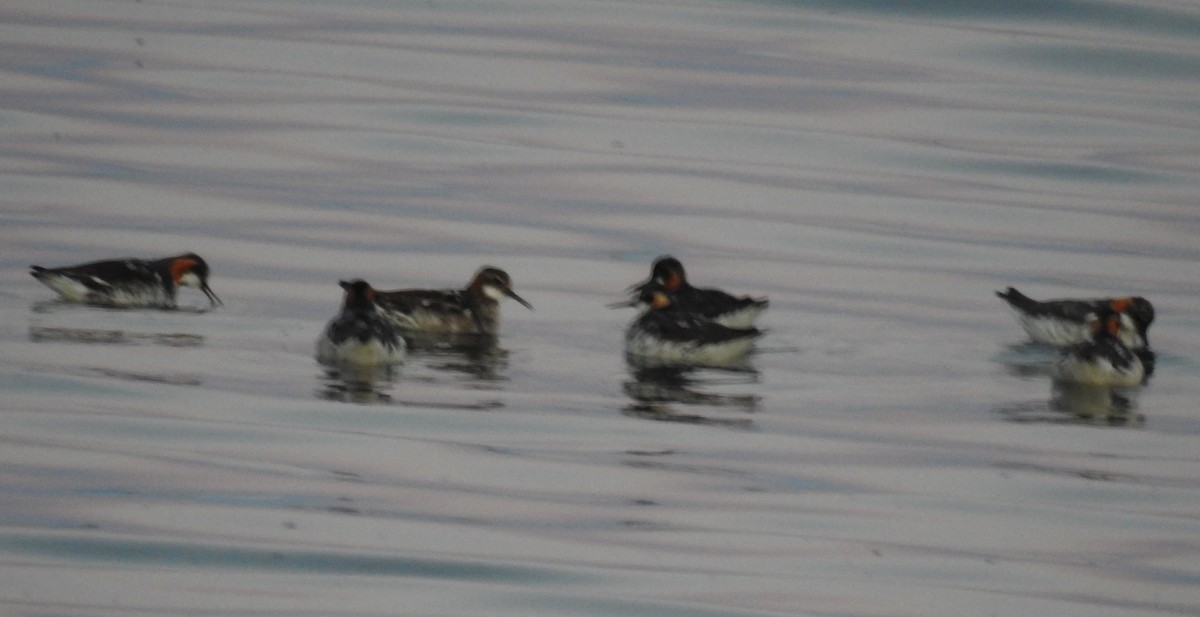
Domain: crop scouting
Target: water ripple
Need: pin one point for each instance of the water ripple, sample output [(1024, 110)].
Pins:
[(149, 553)]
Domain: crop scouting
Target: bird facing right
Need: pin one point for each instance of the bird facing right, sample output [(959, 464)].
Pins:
[(128, 282), (472, 310), (1066, 322)]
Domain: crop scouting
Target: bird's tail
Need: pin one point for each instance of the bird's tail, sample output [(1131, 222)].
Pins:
[(1018, 300)]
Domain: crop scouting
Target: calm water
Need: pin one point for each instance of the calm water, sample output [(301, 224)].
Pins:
[(877, 168)]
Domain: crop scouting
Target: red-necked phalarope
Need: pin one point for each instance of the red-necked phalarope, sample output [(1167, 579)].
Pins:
[(128, 282), (1103, 360), (359, 336), (1066, 322), (665, 335), (713, 304), (472, 310)]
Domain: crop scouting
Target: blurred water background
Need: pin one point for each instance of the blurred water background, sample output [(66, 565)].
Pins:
[(878, 169)]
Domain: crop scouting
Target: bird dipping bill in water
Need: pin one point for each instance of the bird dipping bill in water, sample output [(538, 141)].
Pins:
[(129, 282)]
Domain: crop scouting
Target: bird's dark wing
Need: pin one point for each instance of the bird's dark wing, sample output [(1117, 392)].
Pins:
[(410, 301)]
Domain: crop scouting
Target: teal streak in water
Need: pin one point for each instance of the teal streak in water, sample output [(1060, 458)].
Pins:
[(1096, 61), (1061, 171), (147, 553), (1103, 14)]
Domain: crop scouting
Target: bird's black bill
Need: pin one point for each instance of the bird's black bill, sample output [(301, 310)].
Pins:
[(639, 287), (212, 296), (512, 294)]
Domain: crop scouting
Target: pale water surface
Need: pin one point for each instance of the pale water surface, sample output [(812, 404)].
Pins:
[(878, 168)]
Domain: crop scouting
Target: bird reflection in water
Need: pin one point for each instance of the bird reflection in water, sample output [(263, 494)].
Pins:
[(658, 393), (1096, 405), (1071, 403), (476, 358), (1028, 360), (358, 384), (473, 361), (1109, 404)]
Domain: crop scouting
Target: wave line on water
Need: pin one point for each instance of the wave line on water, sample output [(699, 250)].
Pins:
[(148, 553)]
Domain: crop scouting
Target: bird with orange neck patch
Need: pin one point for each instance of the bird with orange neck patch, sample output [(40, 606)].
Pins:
[(667, 273), (1066, 322), (1103, 360), (666, 335), (128, 282)]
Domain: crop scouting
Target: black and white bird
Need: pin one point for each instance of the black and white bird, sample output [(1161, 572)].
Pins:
[(359, 336), (1066, 322), (667, 274), (129, 282), (1102, 360), (666, 335)]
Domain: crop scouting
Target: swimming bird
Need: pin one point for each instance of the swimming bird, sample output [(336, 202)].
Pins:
[(359, 336), (128, 282), (712, 304), (475, 309), (666, 335), (1066, 322), (1103, 360)]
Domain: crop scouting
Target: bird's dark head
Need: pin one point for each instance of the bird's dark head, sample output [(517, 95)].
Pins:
[(668, 272), (358, 294), (495, 284), (190, 270)]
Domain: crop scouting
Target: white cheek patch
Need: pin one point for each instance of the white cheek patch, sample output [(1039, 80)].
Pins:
[(494, 293), (189, 280), (1128, 333)]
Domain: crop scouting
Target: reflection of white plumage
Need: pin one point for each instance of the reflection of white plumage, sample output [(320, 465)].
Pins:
[(359, 335), (1092, 404)]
